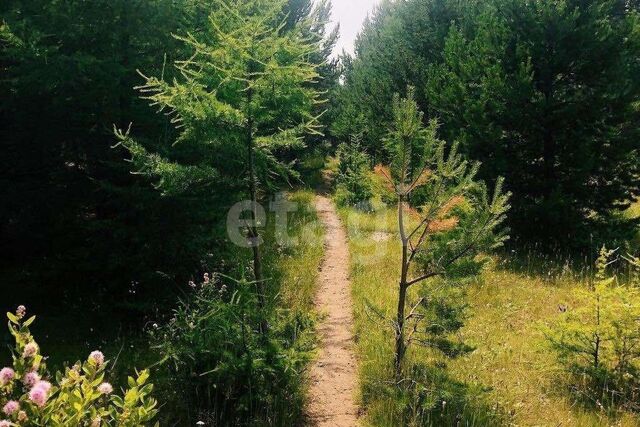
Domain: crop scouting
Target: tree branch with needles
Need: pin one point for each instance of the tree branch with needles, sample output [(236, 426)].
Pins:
[(419, 160)]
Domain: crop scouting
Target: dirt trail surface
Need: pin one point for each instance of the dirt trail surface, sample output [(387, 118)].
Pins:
[(333, 375)]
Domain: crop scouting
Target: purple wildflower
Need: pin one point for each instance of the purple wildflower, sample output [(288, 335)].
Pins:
[(30, 379), (38, 395), (30, 350), (21, 311)]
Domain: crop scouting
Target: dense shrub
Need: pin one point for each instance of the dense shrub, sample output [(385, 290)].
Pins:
[(352, 183), (219, 365), (598, 342), (79, 396)]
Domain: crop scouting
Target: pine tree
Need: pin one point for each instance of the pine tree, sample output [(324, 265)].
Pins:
[(394, 49), (353, 187), (542, 93), (545, 94), (68, 71), (443, 237), (244, 97)]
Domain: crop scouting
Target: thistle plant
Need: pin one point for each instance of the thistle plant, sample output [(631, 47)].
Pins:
[(444, 229), (79, 396)]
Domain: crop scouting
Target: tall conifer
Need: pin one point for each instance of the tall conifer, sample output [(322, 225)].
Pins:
[(245, 95)]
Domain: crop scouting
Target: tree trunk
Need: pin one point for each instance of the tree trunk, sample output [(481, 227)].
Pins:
[(401, 346), (400, 343), (596, 348), (253, 229)]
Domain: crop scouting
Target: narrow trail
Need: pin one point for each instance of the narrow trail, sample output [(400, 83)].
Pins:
[(333, 375)]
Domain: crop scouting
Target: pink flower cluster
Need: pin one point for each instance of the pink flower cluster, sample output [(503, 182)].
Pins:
[(30, 350), (40, 393), (97, 358), (21, 311), (30, 379), (105, 388), (6, 376), (11, 407)]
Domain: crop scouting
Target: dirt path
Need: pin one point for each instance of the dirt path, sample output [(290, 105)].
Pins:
[(333, 375)]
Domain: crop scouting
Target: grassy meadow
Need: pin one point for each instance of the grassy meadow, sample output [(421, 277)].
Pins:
[(510, 378)]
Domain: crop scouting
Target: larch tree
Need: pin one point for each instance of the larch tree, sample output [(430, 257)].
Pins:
[(245, 96), (447, 235)]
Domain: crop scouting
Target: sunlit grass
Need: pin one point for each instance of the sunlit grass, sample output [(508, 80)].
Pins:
[(298, 264), (633, 211), (510, 376)]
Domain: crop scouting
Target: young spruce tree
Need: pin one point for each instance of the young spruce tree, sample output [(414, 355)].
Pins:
[(246, 95), (445, 237)]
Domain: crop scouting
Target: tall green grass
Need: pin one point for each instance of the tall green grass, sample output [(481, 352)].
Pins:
[(509, 379)]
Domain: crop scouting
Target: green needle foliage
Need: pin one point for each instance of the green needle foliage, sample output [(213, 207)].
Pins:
[(352, 183), (598, 341), (246, 81), (443, 237), (244, 99), (543, 93)]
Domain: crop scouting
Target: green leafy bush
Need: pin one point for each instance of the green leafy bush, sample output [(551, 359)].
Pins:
[(79, 396), (598, 342), (218, 365), (352, 183)]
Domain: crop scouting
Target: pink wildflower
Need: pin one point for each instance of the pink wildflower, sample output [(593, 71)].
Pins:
[(5, 423), (38, 396), (96, 357), (206, 278), (40, 393), (44, 385), (105, 388), (21, 311), (30, 379), (30, 350), (6, 375), (11, 407)]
